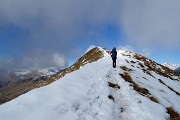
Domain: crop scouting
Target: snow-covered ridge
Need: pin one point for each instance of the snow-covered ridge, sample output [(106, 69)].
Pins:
[(92, 55), (138, 88), (171, 65)]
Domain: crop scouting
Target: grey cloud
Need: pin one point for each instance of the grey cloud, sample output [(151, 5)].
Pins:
[(152, 23), (126, 48), (60, 26), (146, 52), (55, 26)]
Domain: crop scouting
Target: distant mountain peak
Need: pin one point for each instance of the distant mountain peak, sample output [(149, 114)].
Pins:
[(171, 65), (177, 70)]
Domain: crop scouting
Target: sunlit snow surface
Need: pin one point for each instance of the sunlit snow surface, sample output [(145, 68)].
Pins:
[(83, 95)]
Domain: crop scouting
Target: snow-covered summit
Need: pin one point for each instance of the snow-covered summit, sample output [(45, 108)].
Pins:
[(138, 88), (171, 65)]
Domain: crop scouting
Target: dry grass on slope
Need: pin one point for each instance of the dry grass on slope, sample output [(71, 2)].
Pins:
[(113, 85), (153, 66), (173, 114), (141, 90), (126, 69)]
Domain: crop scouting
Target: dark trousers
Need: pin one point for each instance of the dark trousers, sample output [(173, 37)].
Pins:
[(114, 62)]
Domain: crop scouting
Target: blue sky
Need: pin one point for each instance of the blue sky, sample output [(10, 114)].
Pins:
[(43, 33)]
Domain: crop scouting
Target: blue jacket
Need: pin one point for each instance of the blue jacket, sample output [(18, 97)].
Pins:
[(114, 53)]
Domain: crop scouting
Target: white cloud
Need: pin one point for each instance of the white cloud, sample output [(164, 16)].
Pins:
[(126, 48), (59, 60), (145, 52)]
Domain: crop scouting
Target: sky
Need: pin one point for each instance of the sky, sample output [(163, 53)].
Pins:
[(46, 33)]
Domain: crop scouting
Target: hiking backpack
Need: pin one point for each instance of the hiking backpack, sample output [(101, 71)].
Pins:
[(113, 53)]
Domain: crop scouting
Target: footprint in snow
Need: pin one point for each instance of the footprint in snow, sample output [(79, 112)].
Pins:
[(75, 107), (62, 109)]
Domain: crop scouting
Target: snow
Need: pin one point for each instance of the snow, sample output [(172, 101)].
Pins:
[(171, 65), (48, 71), (45, 71), (22, 73), (83, 95)]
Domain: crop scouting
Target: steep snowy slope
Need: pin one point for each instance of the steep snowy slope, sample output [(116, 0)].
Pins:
[(137, 89)]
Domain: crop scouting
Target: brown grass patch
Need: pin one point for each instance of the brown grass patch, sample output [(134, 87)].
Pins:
[(142, 91), (139, 57), (126, 77), (173, 114), (115, 86), (154, 99), (141, 65), (147, 72), (132, 61), (125, 68), (169, 87), (152, 66)]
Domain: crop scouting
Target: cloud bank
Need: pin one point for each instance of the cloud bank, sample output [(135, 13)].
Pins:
[(152, 23), (51, 31), (126, 48)]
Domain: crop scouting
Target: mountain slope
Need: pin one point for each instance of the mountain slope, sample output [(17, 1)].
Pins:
[(137, 88), (35, 79), (17, 83)]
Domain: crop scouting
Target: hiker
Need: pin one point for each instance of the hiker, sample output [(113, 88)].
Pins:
[(114, 56)]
